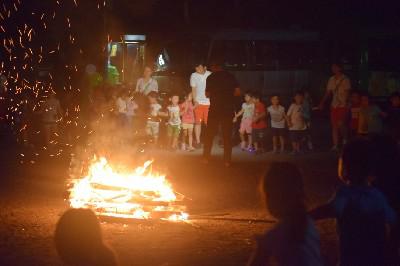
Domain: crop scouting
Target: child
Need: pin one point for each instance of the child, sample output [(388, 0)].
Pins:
[(174, 122), (355, 105), (278, 116), (187, 111), (131, 106), (259, 124), (296, 122), (393, 117), (153, 121), (247, 113), (121, 109), (79, 241), (361, 211), (294, 240), (51, 114), (370, 119)]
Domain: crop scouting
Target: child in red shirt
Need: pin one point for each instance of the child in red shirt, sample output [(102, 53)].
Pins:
[(259, 124)]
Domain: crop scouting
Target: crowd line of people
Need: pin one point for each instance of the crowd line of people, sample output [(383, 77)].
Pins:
[(189, 119), (212, 105)]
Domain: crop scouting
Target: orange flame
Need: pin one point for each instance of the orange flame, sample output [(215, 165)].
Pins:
[(139, 194)]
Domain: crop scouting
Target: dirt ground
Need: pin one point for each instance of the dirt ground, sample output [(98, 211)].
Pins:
[(223, 205)]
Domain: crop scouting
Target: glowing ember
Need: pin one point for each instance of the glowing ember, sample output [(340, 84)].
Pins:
[(139, 194)]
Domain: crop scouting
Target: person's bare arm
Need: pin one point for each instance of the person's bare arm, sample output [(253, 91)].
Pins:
[(288, 117), (262, 115), (322, 212), (59, 110), (194, 95), (183, 109), (137, 86), (237, 115), (163, 114), (259, 116), (324, 99)]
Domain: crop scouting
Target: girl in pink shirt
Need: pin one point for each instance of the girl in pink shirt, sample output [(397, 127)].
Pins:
[(187, 111)]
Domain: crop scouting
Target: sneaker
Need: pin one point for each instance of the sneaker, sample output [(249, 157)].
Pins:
[(243, 146), (310, 146), (197, 145), (227, 164), (258, 152), (251, 149), (334, 148), (190, 149)]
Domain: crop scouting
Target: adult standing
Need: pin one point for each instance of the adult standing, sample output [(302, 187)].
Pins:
[(339, 88), (221, 87), (51, 114), (147, 84), (201, 102)]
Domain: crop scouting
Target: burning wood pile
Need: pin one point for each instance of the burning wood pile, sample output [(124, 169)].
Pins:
[(137, 194)]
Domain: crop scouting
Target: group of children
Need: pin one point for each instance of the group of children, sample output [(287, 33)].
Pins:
[(254, 123), (367, 118), (178, 118)]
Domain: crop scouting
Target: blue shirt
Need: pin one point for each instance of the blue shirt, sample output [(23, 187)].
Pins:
[(362, 213), (278, 243)]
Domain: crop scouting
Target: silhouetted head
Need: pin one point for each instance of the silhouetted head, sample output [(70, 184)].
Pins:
[(356, 162), (283, 191), (337, 68), (216, 64), (78, 238)]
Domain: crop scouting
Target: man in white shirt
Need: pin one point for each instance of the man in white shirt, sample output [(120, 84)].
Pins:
[(201, 102), (339, 88)]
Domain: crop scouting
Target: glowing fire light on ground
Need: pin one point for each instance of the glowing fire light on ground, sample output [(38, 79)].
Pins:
[(137, 194)]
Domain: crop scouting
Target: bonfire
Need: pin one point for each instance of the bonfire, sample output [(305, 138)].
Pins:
[(137, 194)]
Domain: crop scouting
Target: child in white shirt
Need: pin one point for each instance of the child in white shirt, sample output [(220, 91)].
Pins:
[(131, 107), (174, 122), (278, 121), (296, 122), (153, 120)]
